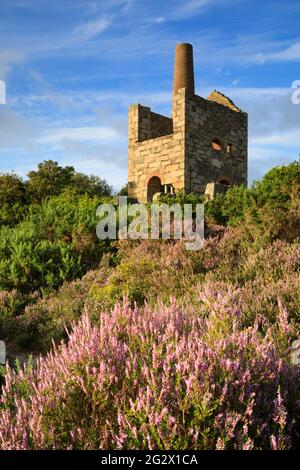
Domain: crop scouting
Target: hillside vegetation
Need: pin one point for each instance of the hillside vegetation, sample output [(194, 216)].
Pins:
[(162, 347)]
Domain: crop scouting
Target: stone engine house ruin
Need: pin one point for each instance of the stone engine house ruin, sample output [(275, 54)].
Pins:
[(201, 148)]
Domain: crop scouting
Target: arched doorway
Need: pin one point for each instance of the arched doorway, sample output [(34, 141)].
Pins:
[(154, 186)]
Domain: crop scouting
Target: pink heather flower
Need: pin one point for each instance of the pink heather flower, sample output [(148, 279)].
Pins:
[(283, 318), (149, 378), (220, 444)]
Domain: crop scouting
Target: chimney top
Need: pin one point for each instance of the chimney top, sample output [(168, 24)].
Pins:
[(184, 68)]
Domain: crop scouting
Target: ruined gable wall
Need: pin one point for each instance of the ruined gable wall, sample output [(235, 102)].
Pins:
[(205, 121), (162, 156), (152, 125), (160, 125)]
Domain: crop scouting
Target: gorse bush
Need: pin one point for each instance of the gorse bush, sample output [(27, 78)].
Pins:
[(162, 378), (55, 242), (276, 185), (273, 193), (13, 199), (245, 256)]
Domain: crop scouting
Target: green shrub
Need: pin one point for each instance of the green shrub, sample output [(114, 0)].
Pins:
[(13, 199), (56, 242), (273, 193)]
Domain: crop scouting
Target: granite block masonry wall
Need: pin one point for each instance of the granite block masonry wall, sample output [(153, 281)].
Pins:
[(178, 150), (155, 148), (208, 121)]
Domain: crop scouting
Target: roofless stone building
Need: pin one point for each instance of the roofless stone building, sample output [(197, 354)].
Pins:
[(203, 146)]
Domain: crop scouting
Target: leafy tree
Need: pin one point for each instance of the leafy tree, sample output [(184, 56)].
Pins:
[(49, 180), (13, 199), (238, 202), (52, 179), (124, 190), (12, 189), (214, 210), (91, 185)]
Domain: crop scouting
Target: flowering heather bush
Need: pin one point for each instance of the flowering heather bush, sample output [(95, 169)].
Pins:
[(163, 378), (10, 301), (232, 257), (47, 320), (259, 275)]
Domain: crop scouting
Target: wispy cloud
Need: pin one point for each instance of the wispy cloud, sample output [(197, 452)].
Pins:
[(16, 132), (288, 54), (91, 29), (263, 158), (188, 8), (8, 59), (77, 134), (287, 138)]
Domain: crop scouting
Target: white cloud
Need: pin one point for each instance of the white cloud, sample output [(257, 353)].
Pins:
[(159, 19), (185, 9), (288, 54), (8, 59), (2, 92), (77, 134), (288, 138), (192, 5), (16, 130), (91, 29), (246, 49), (252, 93), (262, 159)]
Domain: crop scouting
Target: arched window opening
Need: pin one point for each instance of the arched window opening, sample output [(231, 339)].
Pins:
[(224, 182), (216, 145), (154, 186)]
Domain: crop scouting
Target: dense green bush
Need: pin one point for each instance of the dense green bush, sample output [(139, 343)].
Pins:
[(273, 193), (55, 242), (276, 186), (13, 199), (181, 198), (43, 245)]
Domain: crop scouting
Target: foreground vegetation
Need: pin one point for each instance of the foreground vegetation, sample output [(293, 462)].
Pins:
[(167, 348)]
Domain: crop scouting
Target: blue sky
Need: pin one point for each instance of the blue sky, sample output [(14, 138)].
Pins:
[(72, 68)]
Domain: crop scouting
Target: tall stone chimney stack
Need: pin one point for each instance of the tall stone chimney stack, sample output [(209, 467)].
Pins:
[(184, 68)]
